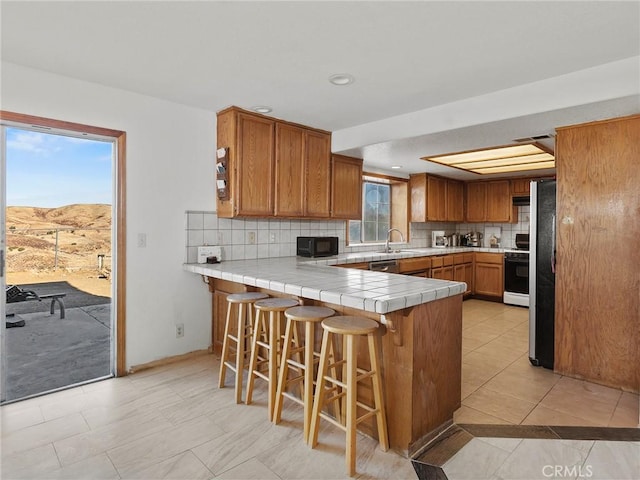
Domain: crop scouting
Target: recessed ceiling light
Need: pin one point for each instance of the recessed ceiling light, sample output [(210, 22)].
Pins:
[(262, 109), (341, 79), (396, 167), (511, 158)]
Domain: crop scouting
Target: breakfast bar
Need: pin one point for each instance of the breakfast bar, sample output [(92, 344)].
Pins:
[(421, 346)]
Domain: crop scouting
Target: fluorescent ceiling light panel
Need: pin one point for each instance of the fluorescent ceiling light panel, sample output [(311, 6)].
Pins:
[(516, 168), (511, 158)]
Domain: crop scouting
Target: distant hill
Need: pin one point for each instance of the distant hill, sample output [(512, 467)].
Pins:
[(84, 232), (78, 215)]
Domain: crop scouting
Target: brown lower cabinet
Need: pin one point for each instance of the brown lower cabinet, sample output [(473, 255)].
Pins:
[(442, 267), (483, 272), (463, 270), (359, 265), (489, 274), (220, 291), (417, 266)]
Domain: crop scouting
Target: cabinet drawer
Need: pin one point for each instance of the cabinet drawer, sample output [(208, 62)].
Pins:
[(482, 257), (414, 264), (460, 258), (468, 257), (437, 262), (447, 260)]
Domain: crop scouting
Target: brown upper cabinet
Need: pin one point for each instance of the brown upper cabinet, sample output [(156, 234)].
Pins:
[(275, 168), (436, 199), (250, 169), (476, 202), (520, 186), (455, 201), (303, 166), (490, 202), (346, 191), (289, 200)]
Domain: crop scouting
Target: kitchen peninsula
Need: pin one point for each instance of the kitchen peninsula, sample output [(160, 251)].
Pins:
[(422, 345)]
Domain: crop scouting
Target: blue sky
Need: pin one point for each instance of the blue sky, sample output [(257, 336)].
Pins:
[(45, 170)]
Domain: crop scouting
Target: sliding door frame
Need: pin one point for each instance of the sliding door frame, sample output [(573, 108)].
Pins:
[(120, 214)]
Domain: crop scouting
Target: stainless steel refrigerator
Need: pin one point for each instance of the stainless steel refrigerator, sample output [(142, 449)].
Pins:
[(542, 257)]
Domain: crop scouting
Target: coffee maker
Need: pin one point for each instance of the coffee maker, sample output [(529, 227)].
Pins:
[(474, 239)]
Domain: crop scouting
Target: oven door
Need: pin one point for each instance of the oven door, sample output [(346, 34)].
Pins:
[(516, 273)]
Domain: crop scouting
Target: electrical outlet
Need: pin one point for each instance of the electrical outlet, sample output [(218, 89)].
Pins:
[(251, 238), (272, 237), (142, 240), (179, 330)]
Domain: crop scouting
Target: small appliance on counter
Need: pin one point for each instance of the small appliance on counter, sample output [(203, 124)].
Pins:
[(209, 254), (439, 239), (522, 241), (317, 246), (454, 240), (474, 239), (492, 236)]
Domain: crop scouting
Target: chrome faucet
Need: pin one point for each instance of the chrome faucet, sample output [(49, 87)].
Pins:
[(387, 248)]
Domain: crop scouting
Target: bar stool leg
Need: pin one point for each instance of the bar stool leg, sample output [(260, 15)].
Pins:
[(284, 370), (225, 349), (351, 407), (378, 397), (308, 376), (258, 329), (274, 319), (240, 350), (319, 398)]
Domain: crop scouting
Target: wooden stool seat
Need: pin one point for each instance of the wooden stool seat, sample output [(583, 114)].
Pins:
[(309, 313), (240, 338), (350, 327), (275, 304), (247, 297), (309, 316), (267, 336)]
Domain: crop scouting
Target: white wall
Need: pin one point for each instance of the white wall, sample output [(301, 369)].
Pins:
[(170, 152)]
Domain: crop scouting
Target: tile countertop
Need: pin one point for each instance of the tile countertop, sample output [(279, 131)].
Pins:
[(315, 279)]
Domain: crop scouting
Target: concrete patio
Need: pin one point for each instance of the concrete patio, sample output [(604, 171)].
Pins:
[(49, 352)]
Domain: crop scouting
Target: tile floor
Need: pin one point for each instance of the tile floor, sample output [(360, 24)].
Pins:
[(500, 386), (533, 458), (173, 422)]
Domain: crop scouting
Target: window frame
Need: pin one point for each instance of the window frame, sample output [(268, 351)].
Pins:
[(398, 212)]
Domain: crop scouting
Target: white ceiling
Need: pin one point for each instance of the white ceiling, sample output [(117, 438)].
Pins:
[(431, 77)]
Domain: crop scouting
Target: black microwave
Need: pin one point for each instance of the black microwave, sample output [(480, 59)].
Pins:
[(317, 246)]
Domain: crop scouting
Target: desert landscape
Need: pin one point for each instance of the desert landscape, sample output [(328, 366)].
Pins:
[(71, 243)]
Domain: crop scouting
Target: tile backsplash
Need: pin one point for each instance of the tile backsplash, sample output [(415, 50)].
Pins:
[(243, 238), (508, 230)]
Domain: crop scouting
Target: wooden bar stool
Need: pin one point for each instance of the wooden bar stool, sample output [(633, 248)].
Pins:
[(267, 336), (240, 336), (350, 328), (309, 316)]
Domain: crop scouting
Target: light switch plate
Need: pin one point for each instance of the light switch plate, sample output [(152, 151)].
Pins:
[(209, 251)]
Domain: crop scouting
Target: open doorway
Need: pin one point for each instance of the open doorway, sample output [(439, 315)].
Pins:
[(63, 223)]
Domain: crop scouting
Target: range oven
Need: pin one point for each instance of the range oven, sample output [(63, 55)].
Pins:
[(516, 275)]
